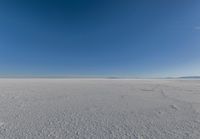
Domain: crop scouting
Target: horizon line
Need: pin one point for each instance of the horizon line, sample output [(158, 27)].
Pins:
[(93, 77)]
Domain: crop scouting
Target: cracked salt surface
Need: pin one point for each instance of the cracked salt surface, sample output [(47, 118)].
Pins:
[(1, 124), (99, 108)]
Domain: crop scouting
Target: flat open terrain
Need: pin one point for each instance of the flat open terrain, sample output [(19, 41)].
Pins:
[(99, 109)]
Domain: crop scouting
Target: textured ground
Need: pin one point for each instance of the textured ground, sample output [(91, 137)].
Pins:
[(99, 109)]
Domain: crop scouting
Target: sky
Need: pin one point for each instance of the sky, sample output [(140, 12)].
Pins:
[(131, 38)]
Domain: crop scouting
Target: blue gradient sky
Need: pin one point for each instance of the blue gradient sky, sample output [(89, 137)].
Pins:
[(139, 38)]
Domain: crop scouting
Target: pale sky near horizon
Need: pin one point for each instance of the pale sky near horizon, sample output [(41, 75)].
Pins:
[(138, 38)]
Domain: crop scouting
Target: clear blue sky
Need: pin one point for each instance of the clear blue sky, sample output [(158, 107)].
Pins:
[(140, 38)]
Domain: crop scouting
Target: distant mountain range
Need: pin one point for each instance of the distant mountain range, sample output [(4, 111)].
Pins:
[(190, 77)]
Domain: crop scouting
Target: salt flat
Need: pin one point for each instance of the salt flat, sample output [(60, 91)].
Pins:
[(99, 109)]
